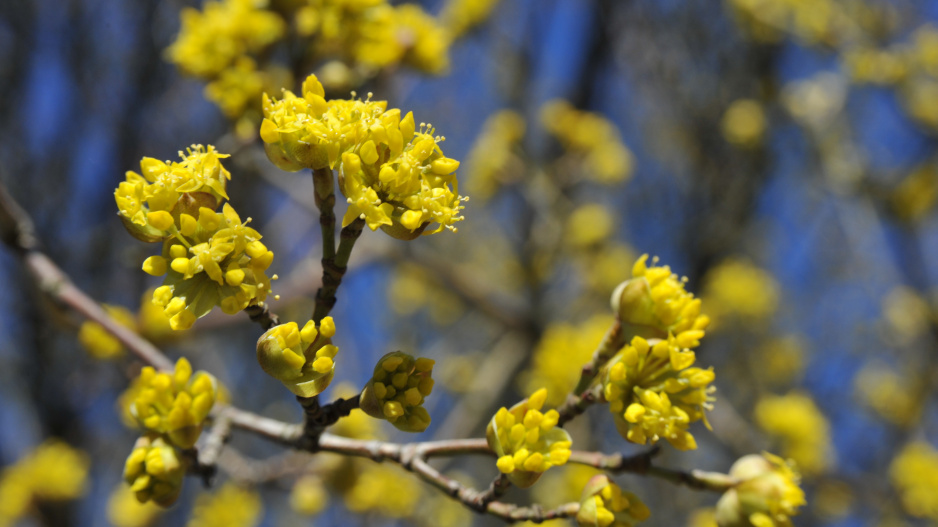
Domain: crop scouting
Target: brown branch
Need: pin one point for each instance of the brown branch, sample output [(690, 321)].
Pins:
[(577, 404), (261, 314)]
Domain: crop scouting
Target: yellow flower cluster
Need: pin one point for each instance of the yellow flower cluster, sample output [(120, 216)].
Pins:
[(889, 394), (744, 123), (828, 22), (236, 87), (375, 34), (385, 489), (914, 472), (589, 225), (393, 174), (154, 471), (528, 441), (229, 506), (653, 392), (174, 405), (124, 510), (563, 350), (54, 471), (302, 359), (308, 496), (592, 136), (736, 289), (802, 428), (654, 303), (208, 258), (460, 16), (492, 160), (151, 323), (397, 390), (768, 495), (605, 504), (212, 39)]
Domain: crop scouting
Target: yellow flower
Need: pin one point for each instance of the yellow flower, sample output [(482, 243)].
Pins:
[(385, 489), (527, 441), (123, 509), (744, 123), (97, 341), (767, 497), (653, 392), (783, 359), (309, 496), (605, 504), (174, 405), (560, 355), (54, 471), (736, 289), (589, 225), (229, 506), (397, 390), (802, 428), (393, 175), (215, 260), (211, 39), (302, 359), (592, 136), (236, 87), (914, 473), (492, 156), (404, 33), (892, 396), (154, 471), (654, 304), (151, 203)]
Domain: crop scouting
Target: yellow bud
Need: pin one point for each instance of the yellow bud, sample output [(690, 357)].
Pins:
[(327, 327), (155, 266), (160, 219)]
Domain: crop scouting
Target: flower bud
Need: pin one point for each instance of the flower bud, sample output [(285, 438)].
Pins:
[(302, 359), (397, 390), (527, 441), (767, 496), (604, 504), (154, 471), (175, 405)]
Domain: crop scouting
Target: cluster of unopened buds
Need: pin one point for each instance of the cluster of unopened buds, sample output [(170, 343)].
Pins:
[(302, 359)]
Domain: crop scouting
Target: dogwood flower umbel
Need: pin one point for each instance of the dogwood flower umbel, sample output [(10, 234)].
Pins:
[(397, 390), (527, 441), (393, 174), (654, 303), (154, 471), (214, 259), (605, 504), (302, 359), (653, 392), (768, 496), (174, 405)]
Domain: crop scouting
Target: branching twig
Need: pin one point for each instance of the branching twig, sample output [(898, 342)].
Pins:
[(333, 269), (577, 404)]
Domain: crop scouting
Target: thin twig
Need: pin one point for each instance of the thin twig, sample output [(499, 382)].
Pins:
[(577, 404), (333, 269)]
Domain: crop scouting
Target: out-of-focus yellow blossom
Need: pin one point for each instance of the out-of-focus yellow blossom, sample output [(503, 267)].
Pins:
[(768, 496), (123, 509), (817, 100), (654, 304), (563, 484), (801, 427), (302, 359), (397, 390), (875, 66), (492, 161), (653, 392), (589, 225), (918, 97), (907, 313), (703, 518), (460, 16), (53, 471), (393, 174), (150, 204), (594, 137), (560, 355), (97, 341), (833, 499), (917, 193), (604, 504), (215, 260), (736, 288), (236, 87), (174, 404), (152, 322), (154, 471), (782, 359), (827, 22), (890, 395), (413, 288), (309, 496), (744, 123), (211, 39), (527, 441), (914, 473), (229, 506), (607, 266), (385, 489)]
